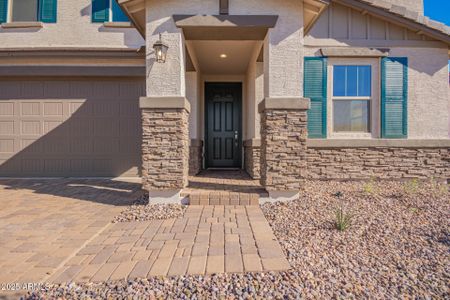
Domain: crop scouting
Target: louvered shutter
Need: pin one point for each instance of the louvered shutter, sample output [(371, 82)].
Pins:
[(100, 11), (47, 11), (3, 11), (394, 97), (315, 88)]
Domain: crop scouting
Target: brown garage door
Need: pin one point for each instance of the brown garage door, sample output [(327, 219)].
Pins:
[(69, 127)]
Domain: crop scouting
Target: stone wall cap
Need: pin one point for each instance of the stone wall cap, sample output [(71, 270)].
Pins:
[(164, 103), (252, 143), (284, 103), (380, 143)]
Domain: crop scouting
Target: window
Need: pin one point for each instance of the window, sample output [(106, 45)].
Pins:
[(28, 11), (351, 98), (24, 10), (107, 11)]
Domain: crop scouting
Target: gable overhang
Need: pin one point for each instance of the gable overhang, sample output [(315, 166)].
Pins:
[(312, 9), (135, 10), (401, 16)]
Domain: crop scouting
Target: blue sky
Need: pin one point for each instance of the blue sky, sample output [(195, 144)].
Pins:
[(438, 10)]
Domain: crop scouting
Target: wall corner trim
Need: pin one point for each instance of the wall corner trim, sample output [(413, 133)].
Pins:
[(164, 103), (284, 103)]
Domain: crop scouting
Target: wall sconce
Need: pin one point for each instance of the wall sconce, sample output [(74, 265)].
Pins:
[(160, 50)]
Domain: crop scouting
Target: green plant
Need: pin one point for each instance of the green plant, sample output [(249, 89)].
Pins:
[(411, 187), (369, 187), (343, 219), (437, 188)]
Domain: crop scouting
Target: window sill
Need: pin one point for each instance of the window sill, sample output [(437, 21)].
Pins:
[(22, 25), (118, 24)]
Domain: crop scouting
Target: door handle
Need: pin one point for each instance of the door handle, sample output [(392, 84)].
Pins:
[(236, 135), (236, 143)]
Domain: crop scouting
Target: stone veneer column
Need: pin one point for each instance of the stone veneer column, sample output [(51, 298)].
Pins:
[(283, 146), (165, 147), (195, 157), (252, 158)]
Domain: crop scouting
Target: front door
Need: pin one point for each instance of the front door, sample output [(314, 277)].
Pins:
[(223, 125)]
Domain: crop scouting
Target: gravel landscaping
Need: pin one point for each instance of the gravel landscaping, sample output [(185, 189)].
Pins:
[(141, 210), (396, 246)]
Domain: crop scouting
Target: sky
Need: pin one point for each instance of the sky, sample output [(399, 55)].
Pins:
[(438, 10)]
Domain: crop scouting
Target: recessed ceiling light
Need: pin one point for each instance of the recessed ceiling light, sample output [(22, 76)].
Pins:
[(223, 56)]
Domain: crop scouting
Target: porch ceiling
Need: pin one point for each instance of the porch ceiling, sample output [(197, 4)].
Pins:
[(208, 56)]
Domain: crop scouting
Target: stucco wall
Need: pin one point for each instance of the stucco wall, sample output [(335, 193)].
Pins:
[(73, 28)]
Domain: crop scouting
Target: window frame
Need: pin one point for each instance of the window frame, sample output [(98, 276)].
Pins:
[(9, 15), (374, 106)]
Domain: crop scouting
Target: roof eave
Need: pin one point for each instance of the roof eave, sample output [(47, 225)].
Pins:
[(132, 8)]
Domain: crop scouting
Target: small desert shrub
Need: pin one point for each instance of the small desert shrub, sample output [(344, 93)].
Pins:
[(411, 187), (343, 219), (438, 189), (369, 187)]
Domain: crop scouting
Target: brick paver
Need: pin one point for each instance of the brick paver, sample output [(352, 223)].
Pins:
[(60, 239)]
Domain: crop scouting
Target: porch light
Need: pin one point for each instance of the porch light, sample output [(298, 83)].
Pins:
[(223, 55), (160, 50)]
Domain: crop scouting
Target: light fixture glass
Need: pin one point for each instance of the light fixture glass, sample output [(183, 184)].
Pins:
[(223, 56), (160, 50)]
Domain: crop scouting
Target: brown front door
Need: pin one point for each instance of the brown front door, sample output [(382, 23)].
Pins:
[(223, 125)]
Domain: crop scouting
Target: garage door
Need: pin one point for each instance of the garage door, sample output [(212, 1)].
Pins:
[(70, 127)]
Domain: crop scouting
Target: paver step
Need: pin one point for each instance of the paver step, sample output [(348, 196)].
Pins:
[(222, 198)]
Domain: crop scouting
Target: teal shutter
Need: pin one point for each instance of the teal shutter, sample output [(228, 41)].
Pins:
[(394, 97), (117, 13), (3, 10), (47, 11), (100, 11), (315, 88)]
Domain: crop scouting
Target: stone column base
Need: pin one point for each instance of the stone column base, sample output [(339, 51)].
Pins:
[(195, 157), (165, 146), (283, 145), (252, 158)]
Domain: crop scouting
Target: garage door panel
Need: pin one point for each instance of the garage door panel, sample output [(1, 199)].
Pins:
[(70, 128), (7, 109), (7, 127), (32, 90), (57, 89), (106, 146)]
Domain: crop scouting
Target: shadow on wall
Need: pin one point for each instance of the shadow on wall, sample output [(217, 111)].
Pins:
[(71, 135), (130, 36)]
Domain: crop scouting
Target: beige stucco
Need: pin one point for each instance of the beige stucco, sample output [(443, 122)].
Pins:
[(73, 29)]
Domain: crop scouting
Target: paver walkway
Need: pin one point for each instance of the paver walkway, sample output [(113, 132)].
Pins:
[(61, 230), (223, 187), (42, 222), (208, 239)]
